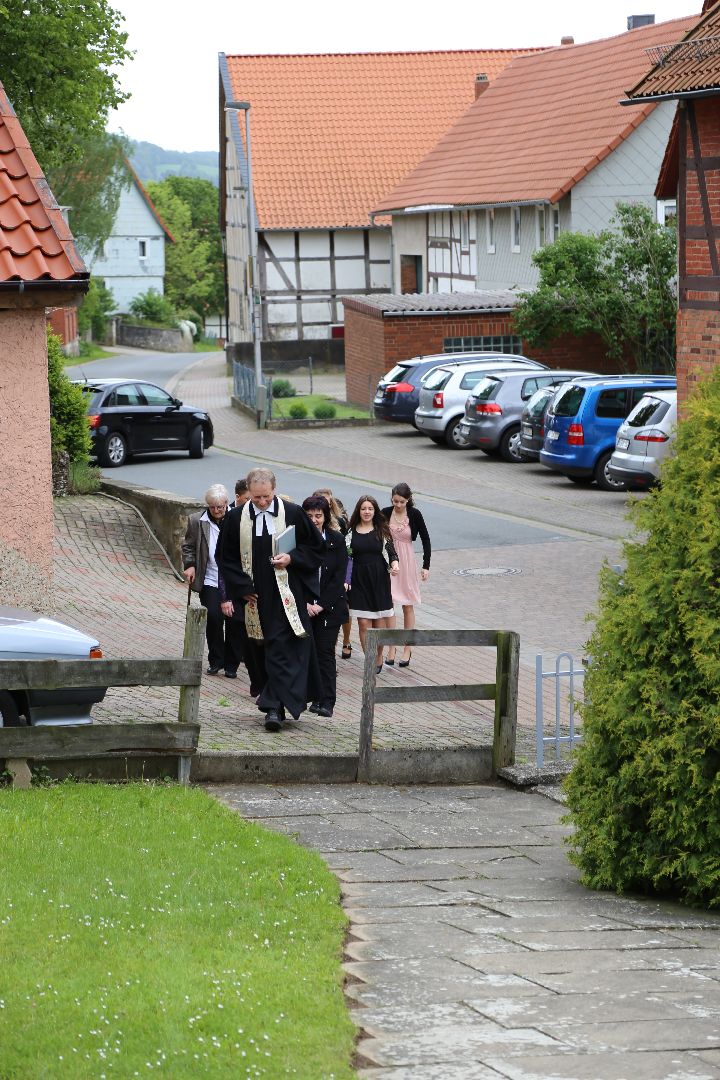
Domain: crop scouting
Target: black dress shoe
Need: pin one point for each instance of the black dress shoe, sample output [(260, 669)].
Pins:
[(212, 670), (324, 710), (274, 720), (230, 674), (314, 707)]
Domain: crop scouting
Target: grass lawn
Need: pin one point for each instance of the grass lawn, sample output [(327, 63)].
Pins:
[(145, 929), (281, 407), (207, 345), (88, 351)]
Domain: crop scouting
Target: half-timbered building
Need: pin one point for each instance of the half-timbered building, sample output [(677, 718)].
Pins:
[(330, 134)]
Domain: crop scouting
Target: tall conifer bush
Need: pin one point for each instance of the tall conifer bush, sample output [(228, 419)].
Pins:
[(644, 795)]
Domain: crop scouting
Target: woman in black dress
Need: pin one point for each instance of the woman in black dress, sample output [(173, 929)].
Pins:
[(373, 555), (328, 608), (339, 522)]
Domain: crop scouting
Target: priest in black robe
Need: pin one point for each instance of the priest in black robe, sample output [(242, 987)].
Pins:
[(275, 590)]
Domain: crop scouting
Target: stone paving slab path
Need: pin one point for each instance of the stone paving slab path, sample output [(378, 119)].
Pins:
[(475, 954)]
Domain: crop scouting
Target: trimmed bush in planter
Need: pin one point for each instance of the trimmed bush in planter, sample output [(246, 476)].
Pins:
[(324, 411), (298, 411), (283, 388), (645, 789)]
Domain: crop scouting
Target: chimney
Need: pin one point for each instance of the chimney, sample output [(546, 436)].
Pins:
[(634, 21), (481, 84), (567, 39)]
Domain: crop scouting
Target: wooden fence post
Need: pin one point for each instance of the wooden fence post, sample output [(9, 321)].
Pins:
[(506, 681), (367, 712), (193, 647)]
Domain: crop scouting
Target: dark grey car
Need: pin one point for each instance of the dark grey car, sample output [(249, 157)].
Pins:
[(494, 409)]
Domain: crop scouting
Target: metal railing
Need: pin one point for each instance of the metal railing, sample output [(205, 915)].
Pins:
[(245, 387), (571, 735)]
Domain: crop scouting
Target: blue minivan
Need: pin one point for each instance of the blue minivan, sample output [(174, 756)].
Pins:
[(582, 421)]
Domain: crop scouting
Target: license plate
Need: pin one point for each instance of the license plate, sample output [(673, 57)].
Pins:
[(552, 435), (622, 444), (527, 430)]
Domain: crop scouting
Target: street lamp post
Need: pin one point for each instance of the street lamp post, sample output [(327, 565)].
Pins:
[(255, 306)]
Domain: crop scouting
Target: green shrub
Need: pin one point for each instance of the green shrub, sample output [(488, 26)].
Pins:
[(69, 429), (298, 411), (94, 311), (283, 388), (84, 479), (324, 411), (153, 307), (645, 789)]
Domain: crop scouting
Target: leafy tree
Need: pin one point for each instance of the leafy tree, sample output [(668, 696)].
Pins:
[(69, 429), (153, 307), (93, 313), (194, 270), (91, 187), (58, 64), (645, 788), (618, 284)]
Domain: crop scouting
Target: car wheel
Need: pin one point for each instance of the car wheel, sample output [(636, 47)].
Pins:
[(581, 479), (439, 440), (197, 442), (453, 438), (9, 715), (114, 451), (509, 446), (603, 478)]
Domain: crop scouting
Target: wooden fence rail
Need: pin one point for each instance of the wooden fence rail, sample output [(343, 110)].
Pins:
[(503, 691), (46, 743)]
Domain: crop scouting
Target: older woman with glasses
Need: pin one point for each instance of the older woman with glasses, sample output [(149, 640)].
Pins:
[(200, 570)]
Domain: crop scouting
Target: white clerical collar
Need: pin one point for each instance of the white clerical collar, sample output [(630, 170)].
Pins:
[(268, 516)]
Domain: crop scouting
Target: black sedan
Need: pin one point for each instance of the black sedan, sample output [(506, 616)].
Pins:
[(129, 417)]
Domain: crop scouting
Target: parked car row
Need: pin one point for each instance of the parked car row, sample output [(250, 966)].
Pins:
[(611, 429)]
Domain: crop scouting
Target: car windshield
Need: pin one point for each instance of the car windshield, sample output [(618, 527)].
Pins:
[(649, 411), (569, 400), (538, 402), (396, 374), (93, 397), (471, 379), (485, 388), (436, 379)]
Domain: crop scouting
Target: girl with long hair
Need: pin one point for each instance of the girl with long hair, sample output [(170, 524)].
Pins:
[(374, 562)]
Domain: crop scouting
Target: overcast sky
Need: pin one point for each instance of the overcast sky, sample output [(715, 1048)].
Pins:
[(174, 76)]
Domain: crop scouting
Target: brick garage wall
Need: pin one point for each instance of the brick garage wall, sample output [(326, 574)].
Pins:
[(698, 329), (63, 322), (373, 344)]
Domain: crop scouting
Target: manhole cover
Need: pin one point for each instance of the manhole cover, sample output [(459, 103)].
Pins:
[(486, 571)]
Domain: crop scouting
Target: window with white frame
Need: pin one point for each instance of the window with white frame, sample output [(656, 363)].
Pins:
[(667, 212), (142, 249), (490, 229), (515, 228), (464, 231), (540, 238), (555, 223)]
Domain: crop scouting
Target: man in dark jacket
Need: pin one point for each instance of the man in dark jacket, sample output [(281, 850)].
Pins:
[(275, 589)]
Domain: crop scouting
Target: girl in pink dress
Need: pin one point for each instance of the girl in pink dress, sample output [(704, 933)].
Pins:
[(406, 524)]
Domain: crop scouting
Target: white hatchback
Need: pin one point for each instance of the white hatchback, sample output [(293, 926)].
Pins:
[(645, 439)]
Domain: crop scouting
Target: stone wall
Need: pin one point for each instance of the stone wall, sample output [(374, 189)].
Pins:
[(150, 337), (165, 513)]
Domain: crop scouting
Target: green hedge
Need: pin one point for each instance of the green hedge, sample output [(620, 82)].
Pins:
[(644, 795)]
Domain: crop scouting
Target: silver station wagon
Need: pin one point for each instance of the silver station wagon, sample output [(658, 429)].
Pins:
[(445, 389)]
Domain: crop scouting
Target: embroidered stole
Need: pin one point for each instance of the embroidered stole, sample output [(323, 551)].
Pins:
[(252, 615)]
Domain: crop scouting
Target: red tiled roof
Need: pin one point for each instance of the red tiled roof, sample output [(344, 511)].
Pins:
[(684, 64), (544, 123), (331, 134), (36, 245)]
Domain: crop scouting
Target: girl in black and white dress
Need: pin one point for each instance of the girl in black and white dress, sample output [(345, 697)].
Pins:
[(374, 559)]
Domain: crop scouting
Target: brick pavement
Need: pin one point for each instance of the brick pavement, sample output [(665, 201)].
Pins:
[(130, 599)]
